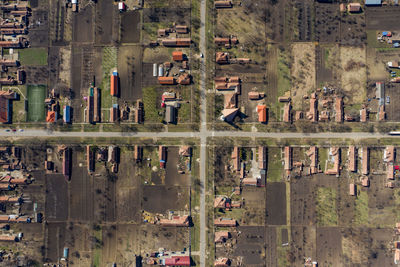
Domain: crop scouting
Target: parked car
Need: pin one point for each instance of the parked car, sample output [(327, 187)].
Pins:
[(387, 99)]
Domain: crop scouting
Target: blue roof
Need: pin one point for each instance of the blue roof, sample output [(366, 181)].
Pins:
[(373, 2)]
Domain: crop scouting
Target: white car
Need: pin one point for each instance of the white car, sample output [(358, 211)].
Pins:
[(201, 55)]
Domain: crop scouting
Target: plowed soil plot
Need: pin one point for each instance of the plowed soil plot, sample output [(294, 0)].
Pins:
[(276, 203), (302, 203), (270, 242), (329, 244), (382, 18), (304, 16), (105, 12), (38, 34), (352, 30), (250, 245), (55, 242), (274, 18), (130, 23), (130, 71), (83, 25), (172, 175), (56, 198), (392, 109), (167, 15), (327, 22), (81, 193), (159, 199)]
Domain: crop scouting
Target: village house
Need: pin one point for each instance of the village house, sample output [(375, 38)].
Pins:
[(352, 159), (382, 113), (228, 84), (236, 158), (138, 153), (335, 153), (365, 161), (339, 109), (313, 112), (222, 262), (287, 112), (229, 115), (390, 171), (178, 221), (223, 4), (354, 7), (181, 29), (389, 154), (176, 42), (312, 153), (262, 157), (363, 115), (251, 181), (288, 158), (225, 222), (365, 181), (222, 58), (230, 100), (221, 236)]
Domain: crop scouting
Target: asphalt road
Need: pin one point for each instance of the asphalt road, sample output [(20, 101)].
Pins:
[(203, 134)]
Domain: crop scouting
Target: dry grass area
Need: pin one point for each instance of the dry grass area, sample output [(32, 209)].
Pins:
[(65, 70), (303, 71), (353, 252), (353, 73), (249, 29), (376, 64), (157, 55)]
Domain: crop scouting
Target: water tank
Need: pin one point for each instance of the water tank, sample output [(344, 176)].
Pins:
[(161, 70), (155, 70)]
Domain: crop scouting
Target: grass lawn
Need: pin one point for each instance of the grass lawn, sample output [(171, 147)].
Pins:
[(361, 209), (184, 112), (108, 63), (275, 167), (36, 109), (33, 56), (151, 108), (326, 207)]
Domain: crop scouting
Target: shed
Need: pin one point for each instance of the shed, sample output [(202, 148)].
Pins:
[(177, 56), (262, 113), (354, 7), (114, 84), (170, 114), (352, 189)]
